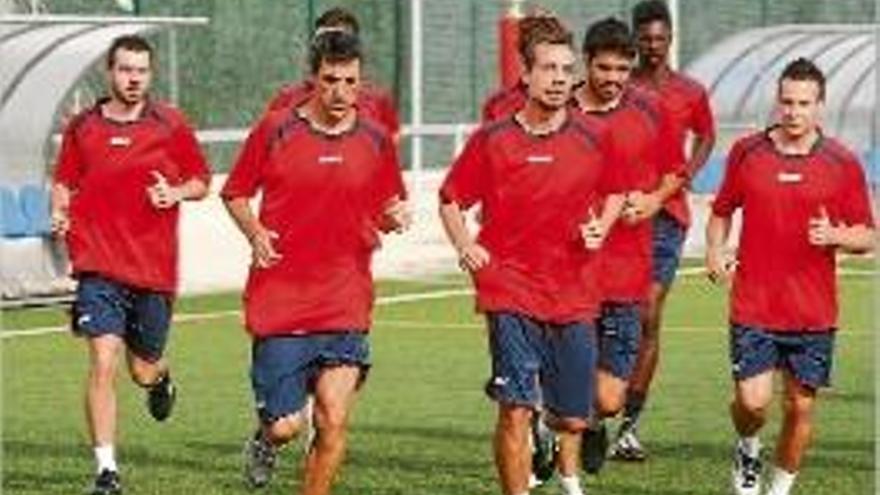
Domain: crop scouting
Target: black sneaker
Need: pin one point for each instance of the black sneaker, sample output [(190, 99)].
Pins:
[(746, 472), (544, 450), (259, 460), (106, 483), (160, 398), (628, 447), (594, 447)]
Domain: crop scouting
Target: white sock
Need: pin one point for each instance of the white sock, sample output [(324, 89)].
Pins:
[(782, 481), (571, 485), (105, 458), (752, 445)]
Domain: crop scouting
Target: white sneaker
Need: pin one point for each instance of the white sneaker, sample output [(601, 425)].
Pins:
[(746, 472)]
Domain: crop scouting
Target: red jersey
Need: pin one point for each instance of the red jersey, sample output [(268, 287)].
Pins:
[(642, 138), (322, 195), (535, 192), (784, 283), (688, 104), (372, 103), (505, 101), (115, 230)]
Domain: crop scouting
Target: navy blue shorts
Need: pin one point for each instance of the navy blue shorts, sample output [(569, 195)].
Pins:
[(806, 355), (619, 327), (536, 363), (668, 239), (284, 368), (141, 317)]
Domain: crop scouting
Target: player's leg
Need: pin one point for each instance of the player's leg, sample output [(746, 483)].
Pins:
[(281, 368), (514, 386), (808, 363), (99, 315), (335, 393), (754, 357), (146, 337), (570, 355), (618, 327)]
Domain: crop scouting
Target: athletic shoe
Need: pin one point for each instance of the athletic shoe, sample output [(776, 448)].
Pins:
[(106, 483), (746, 472), (627, 447), (259, 460), (161, 397), (594, 448), (544, 450)]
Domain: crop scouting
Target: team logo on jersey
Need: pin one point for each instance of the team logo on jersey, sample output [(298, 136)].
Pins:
[(539, 159), (120, 141), (330, 159), (790, 177)]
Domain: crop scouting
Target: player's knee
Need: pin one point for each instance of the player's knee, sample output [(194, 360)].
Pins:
[(514, 417), (331, 420), (753, 405), (798, 407), (284, 429), (571, 425), (144, 374), (103, 370)]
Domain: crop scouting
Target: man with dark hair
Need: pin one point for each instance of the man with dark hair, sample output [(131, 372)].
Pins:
[(688, 104), (540, 176), (125, 166), (372, 101), (652, 165), (803, 197), (330, 184), (511, 99)]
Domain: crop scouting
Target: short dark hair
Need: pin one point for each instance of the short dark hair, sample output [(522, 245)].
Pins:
[(130, 42), (802, 69), (337, 17), (537, 29), (648, 11), (609, 34), (333, 47)]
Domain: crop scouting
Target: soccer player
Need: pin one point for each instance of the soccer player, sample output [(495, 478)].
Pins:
[(691, 117), (125, 166), (330, 182), (372, 101), (540, 176), (803, 198), (652, 166)]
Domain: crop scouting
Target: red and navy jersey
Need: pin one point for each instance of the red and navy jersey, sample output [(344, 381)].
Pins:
[(505, 101), (535, 191), (783, 282), (641, 135), (108, 165), (323, 195), (372, 102), (690, 112)]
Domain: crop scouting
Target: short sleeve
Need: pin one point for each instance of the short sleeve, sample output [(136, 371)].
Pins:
[(730, 194), (246, 176), (467, 181)]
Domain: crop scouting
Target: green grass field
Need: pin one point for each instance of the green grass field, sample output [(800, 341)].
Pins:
[(422, 425)]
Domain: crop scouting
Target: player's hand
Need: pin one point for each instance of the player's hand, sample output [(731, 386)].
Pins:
[(593, 232), (639, 206), (719, 266), (162, 194), (473, 257), (60, 222), (263, 253), (822, 233), (397, 217)]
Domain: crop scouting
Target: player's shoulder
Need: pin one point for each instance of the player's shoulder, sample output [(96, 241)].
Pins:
[(589, 127), (836, 152), (747, 145), (83, 117), (377, 134), (165, 113), (687, 84)]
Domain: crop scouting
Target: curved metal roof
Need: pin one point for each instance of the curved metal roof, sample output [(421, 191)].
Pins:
[(43, 57), (742, 70)]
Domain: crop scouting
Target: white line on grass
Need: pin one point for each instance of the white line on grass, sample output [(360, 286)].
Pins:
[(190, 317)]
